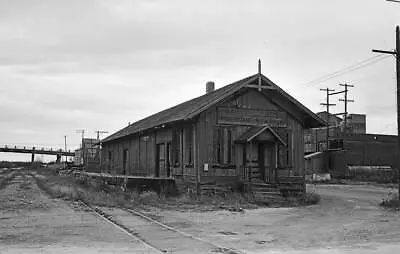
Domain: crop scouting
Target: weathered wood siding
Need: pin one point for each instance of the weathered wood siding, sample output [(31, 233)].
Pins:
[(194, 143), (206, 133)]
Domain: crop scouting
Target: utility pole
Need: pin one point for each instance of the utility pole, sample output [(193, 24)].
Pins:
[(396, 53), (82, 132), (98, 153), (65, 143), (100, 132), (327, 104), (345, 100)]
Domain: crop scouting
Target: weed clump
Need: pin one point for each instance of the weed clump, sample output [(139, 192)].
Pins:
[(392, 202), (310, 198)]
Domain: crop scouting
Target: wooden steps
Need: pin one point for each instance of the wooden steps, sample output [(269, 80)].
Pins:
[(266, 193)]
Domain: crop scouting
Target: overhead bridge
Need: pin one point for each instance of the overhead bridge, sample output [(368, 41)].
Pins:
[(35, 150)]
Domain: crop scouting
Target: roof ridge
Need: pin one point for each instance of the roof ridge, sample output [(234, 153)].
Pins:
[(136, 126)]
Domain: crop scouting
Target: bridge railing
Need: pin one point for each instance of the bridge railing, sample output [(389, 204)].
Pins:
[(33, 148)]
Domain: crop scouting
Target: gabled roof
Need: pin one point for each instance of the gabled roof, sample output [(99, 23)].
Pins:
[(189, 109), (253, 132)]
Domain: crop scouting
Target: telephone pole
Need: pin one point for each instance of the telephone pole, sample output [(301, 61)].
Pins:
[(65, 143), (396, 54), (98, 153), (327, 104), (100, 132), (345, 100), (82, 131)]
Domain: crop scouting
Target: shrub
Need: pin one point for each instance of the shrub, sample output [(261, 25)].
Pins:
[(309, 198), (391, 202)]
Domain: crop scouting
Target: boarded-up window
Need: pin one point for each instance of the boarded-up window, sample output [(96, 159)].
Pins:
[(284, 152), (176, 147), (228, 146), (223, 149), (289, 150), (124, 161), (144, 156), (110, 160), (189, 145)]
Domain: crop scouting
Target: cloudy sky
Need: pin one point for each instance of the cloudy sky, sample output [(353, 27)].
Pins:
[(99, 64)]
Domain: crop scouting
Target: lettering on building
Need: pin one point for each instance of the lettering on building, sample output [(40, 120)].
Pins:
[(240, 116)]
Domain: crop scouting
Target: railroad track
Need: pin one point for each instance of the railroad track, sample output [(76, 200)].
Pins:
[(157, 236)]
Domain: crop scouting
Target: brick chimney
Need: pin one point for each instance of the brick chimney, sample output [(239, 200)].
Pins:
[(210, 86)]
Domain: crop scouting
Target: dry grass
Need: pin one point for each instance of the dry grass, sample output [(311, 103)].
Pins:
[(69, 188), (377, 176), (5, 179), (391, 202), (97, 193), (309, 198)]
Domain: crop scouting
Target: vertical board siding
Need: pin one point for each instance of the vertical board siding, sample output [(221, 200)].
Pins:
[(296, 146), (203, 132)]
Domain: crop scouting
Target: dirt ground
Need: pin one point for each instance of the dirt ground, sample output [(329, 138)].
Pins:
[(31, 222), (348, 220)]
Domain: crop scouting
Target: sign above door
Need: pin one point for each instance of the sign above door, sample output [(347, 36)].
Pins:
[(241, 116)]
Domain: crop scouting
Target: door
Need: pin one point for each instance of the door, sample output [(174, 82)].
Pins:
[(266, 163), (252, 161), (160, 160)]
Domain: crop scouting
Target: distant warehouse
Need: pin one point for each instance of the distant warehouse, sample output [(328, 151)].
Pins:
[(250, 130)]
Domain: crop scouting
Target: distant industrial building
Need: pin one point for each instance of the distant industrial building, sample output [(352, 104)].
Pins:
[(315, 138), (348, 145), (356, 124), (88, 154)]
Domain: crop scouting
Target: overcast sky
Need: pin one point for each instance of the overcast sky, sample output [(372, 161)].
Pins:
[(99, 64)]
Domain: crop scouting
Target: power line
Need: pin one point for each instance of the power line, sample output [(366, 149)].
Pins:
[(348, 69)]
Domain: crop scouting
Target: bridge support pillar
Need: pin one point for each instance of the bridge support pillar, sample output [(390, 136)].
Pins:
[(58, 158), (33, 157)]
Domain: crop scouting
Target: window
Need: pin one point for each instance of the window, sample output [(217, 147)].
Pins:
[(109, 156)]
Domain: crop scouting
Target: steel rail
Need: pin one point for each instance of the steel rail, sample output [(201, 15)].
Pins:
[(94, 211), (179, 231)]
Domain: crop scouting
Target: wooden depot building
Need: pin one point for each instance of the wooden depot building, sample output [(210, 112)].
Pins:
[(250, 131)]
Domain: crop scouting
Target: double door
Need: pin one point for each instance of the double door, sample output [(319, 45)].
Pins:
[(259, 158)]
